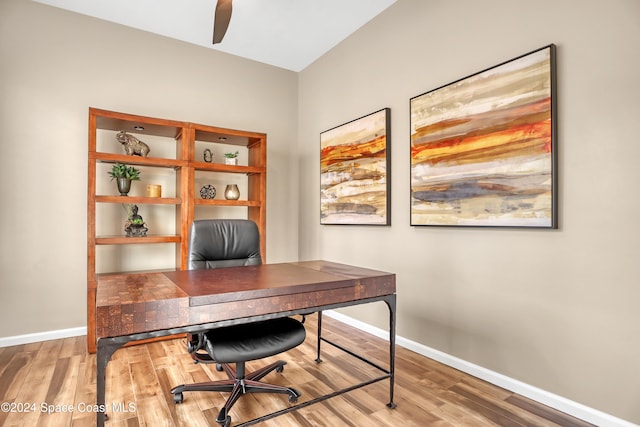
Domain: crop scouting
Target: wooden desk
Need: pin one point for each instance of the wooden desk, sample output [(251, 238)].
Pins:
[(132, 307)]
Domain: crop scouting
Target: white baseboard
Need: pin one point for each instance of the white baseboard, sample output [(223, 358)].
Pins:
[(42, 336), (567, 406)]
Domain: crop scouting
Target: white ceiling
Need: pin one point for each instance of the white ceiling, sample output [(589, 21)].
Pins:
[(289, 34)]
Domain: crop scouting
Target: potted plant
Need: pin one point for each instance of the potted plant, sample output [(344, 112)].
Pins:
[(123, 175), (231, 158)]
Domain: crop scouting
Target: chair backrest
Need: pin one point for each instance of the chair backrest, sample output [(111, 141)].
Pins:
[(215, 243)]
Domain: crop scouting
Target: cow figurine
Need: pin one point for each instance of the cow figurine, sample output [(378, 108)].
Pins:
[(132, 145)]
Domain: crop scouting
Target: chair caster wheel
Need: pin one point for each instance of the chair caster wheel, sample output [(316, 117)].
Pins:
[(226, 422), (279, 369), (294, 395), (218, 367), (178, 398)]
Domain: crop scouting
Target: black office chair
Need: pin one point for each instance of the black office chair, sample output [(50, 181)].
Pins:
[(232, 243)]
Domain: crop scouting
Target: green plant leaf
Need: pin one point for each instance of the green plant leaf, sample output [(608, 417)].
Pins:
[(120, 170)]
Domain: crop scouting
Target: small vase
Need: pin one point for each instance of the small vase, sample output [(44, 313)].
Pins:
[(231, 161), (208, 156), (231, 192), (124, 185)]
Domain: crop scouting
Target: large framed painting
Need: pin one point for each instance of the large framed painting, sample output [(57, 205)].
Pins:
[(354, 171), (483, 148)]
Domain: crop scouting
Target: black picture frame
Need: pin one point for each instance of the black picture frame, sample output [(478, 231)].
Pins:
[(355, 171), (483, 148)]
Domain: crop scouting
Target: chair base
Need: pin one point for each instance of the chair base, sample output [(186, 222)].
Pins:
[(238, 384)]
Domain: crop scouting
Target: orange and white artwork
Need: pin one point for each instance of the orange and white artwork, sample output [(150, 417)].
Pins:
[(482, 148), (354, 171)]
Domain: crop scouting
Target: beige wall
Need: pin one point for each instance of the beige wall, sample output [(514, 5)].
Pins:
[(555, 309), (54, 65)]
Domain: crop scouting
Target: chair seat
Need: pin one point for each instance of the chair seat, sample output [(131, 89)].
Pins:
[(252, 341)]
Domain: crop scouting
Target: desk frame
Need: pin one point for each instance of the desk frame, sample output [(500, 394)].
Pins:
[(107, 346)]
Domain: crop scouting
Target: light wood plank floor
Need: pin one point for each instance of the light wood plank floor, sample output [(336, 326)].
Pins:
[(139, 378)]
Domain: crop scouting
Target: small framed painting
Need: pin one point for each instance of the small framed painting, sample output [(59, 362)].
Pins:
[(354, 171), (483, 148)]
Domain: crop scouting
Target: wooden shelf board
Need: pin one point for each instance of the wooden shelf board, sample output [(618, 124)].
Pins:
[(111, 120), (136, 160), (221, 167), (123, 240), (209, 202), (207, 133), (140, 200)]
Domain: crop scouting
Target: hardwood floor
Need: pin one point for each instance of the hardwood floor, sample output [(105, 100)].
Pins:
[(59, 375)]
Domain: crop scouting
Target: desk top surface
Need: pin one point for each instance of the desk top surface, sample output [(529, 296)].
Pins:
[(133, 302), (215, 286)]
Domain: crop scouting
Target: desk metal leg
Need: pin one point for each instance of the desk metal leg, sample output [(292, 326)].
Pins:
[(391, 302), (103, 354), (318, 359)]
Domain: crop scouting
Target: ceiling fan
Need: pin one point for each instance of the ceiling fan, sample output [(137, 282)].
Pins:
[(221, 20)]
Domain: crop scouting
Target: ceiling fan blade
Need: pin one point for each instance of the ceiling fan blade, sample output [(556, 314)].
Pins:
[(222, 18)]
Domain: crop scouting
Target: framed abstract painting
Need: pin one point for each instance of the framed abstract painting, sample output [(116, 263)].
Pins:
[(355, 170), (483, 148)]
